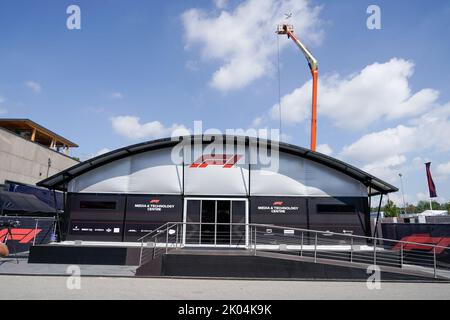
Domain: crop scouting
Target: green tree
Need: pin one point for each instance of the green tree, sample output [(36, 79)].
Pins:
[(410, 208), (425, 205), (390, 209)]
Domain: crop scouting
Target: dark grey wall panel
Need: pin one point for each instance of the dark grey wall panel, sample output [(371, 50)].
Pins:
[(287, 211), (145, 213), (350, 214), (96, 217)]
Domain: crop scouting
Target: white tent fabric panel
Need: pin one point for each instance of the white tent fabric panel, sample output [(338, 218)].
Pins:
[(110, 178), (301, 177), (153, 172), (150, 172), (216, 180)]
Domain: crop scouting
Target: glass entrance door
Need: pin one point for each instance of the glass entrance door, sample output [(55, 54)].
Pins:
[(215, 222)]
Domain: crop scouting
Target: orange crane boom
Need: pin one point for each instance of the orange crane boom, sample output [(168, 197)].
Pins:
[(313, 66)]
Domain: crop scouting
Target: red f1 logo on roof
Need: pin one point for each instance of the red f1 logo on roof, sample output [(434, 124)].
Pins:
[(154, 201), (224, 160), (21, 235), (278, 203)]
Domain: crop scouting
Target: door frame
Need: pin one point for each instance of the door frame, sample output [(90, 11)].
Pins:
[(215, 245)]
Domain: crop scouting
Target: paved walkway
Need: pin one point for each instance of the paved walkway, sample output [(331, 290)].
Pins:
[(21, 266), (55, 287)]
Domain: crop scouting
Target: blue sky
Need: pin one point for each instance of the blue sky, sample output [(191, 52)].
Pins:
[(138, 69)]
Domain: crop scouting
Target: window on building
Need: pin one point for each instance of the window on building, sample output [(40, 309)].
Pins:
[(335, 208), (102, 205)]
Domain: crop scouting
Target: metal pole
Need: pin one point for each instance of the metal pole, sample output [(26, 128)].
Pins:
[(255, 240), (35, 231), (374, 252), (351, 250), (403, 192), (301, 248), (315, 248), (140, 254), (167, 237), (434, 261), (401, 256), (176, 238), (251, 237)]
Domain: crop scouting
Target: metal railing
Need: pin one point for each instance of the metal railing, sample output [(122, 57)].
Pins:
[(296, 242)]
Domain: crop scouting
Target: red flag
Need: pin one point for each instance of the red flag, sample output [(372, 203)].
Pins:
[(431, 186)]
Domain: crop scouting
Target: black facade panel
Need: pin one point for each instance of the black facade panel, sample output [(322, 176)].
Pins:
[(96, 217), (284, 211), (340, 214), (145, 213)]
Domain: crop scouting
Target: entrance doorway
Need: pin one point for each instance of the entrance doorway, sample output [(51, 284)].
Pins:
[(215, 222)]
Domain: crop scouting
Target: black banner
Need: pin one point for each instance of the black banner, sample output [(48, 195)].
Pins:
[(145, 213), (287, 211)]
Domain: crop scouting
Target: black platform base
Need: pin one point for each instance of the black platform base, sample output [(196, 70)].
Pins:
[(241, 265), (70, 254)]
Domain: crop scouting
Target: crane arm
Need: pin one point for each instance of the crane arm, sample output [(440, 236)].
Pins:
[(313, 66), (289, 31)]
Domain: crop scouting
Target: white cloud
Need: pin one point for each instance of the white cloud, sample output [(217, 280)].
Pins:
[(443, 169), (192, 65), (243, 39), (116, 95), (384, 153), (380, 91), (130, 127), (34, 86), (421, 196), (257, 122), (325, 149), (221, 3)]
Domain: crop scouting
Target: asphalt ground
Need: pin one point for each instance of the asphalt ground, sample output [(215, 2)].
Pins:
[(90, 287)]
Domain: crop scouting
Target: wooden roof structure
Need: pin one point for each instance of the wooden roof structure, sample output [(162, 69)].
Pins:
[(30, 130)]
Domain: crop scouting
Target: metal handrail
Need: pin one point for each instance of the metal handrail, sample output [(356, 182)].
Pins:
[(381, 257), (153, 231), (328, 233)]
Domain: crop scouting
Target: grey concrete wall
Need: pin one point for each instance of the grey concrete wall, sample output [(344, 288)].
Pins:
[(27, 162)]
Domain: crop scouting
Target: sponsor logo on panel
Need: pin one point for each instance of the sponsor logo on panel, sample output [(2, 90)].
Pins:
[(154, 205), (278, 207)]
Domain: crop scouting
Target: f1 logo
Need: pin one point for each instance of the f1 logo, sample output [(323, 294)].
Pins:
[(21, 235), (154, 201), (278, 203), (224, 160)]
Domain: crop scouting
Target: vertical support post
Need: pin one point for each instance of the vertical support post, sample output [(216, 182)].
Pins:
[(434, 262), (255, 240), (315, 248), (374, 251), (140, 254), (250, 240), (375, 231), (401, 256), (351, 250), (301, 248), (35, 231), (176, 237), (167, 237), (33, 135)]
